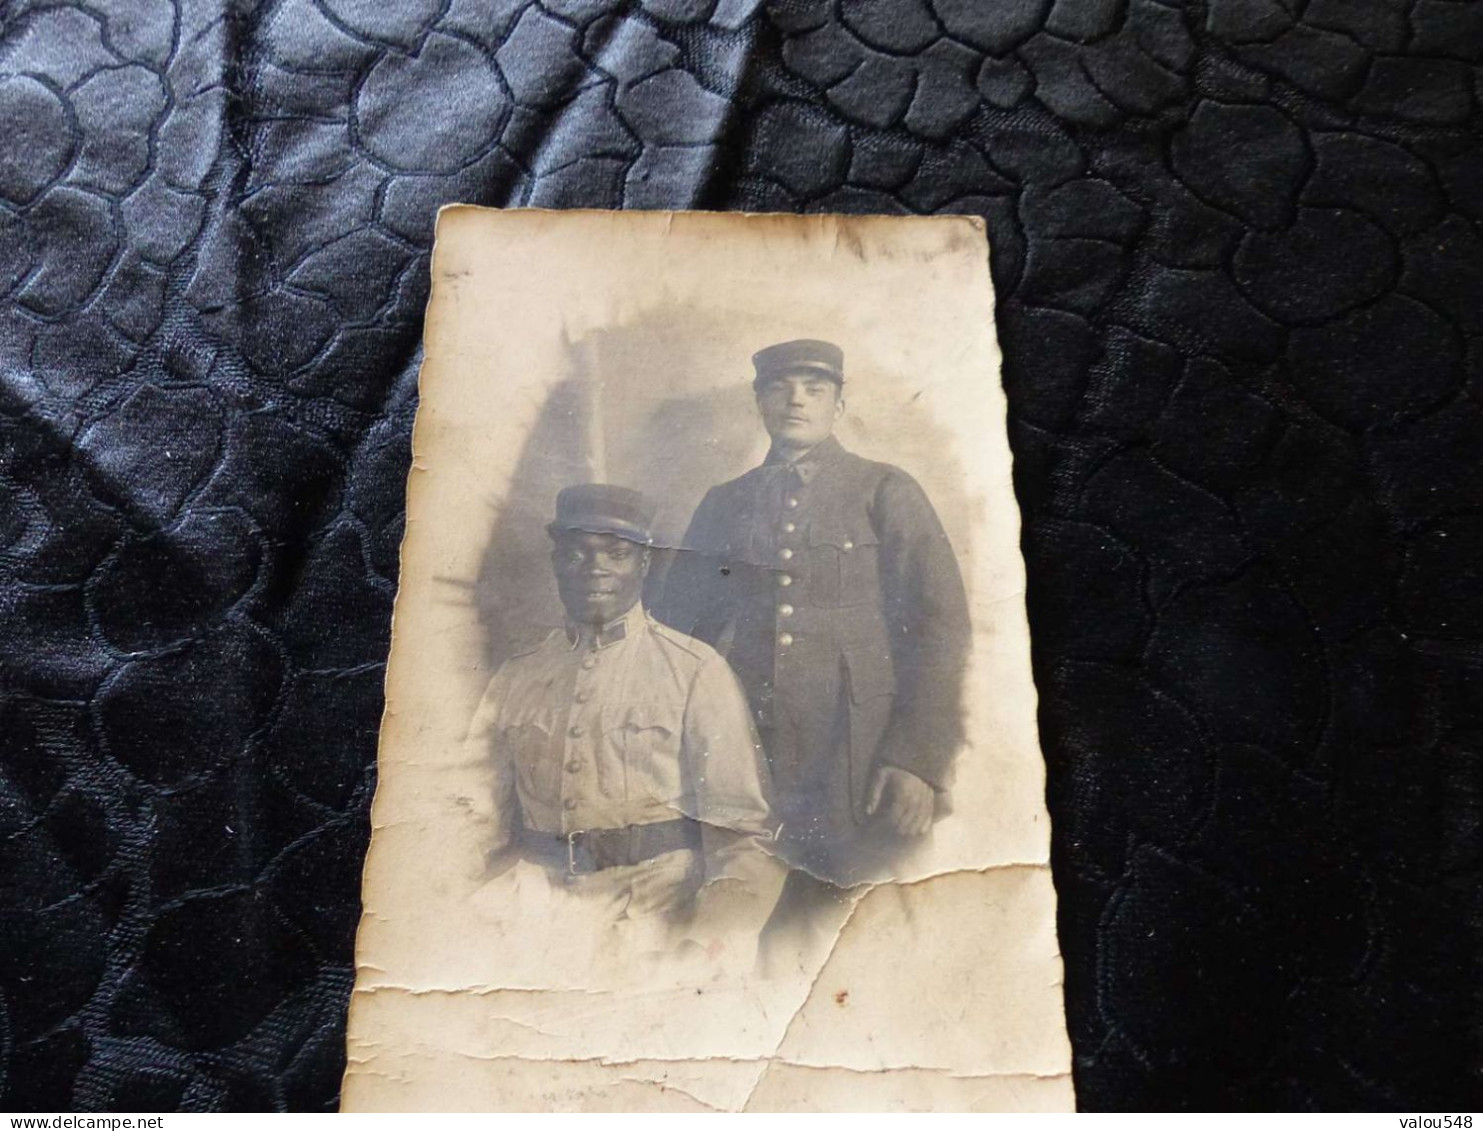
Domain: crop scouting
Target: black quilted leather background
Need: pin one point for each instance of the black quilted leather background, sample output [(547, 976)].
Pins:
[(1240, 278)]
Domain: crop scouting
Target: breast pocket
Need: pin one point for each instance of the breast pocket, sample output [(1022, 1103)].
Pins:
[(859, 568), (645, 740), (527, 736), (843, 567)]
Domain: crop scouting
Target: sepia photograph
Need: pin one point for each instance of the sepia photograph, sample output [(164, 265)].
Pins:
[(709, 775), (935, 550)]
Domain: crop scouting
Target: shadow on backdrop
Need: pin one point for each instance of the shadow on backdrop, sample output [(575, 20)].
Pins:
[(664, 404)]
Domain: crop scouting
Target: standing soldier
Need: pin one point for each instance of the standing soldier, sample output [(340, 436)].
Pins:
[(829, 584)]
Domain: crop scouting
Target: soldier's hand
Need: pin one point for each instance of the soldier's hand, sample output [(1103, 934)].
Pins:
[(902, 800)]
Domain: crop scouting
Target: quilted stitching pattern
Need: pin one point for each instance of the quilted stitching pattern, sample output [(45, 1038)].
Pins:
[(1239, 272)]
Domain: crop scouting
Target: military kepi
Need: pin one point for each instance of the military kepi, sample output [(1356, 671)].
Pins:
[(603, 508), (803, 357)]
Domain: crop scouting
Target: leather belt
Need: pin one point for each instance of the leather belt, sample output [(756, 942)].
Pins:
[(593, 850)]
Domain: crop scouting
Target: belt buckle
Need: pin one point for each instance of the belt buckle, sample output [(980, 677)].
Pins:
[(571, 853)]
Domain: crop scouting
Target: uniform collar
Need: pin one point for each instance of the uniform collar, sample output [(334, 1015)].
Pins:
[(585, 636), (807, 465)]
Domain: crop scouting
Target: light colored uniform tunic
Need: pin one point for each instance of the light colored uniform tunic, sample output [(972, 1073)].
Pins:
[(637, 724)]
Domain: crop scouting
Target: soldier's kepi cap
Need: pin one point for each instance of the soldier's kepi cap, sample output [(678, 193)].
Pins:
[(801, 357), (603, 508)]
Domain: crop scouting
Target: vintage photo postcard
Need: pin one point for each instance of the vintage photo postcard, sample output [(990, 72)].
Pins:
[(709, 776)]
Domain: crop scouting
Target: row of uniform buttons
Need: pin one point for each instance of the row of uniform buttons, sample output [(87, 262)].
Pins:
[(786, 553), (574, 764), (785, 610)]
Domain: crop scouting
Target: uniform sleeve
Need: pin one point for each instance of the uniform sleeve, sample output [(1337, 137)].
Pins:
[(725, 764), (723, 754), (493, 812), (927, 610)]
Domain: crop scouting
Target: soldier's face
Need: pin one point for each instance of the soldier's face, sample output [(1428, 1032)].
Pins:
[(599, 576), (800, 411)]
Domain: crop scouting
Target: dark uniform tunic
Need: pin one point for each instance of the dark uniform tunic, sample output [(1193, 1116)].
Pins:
[(831, 587)]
